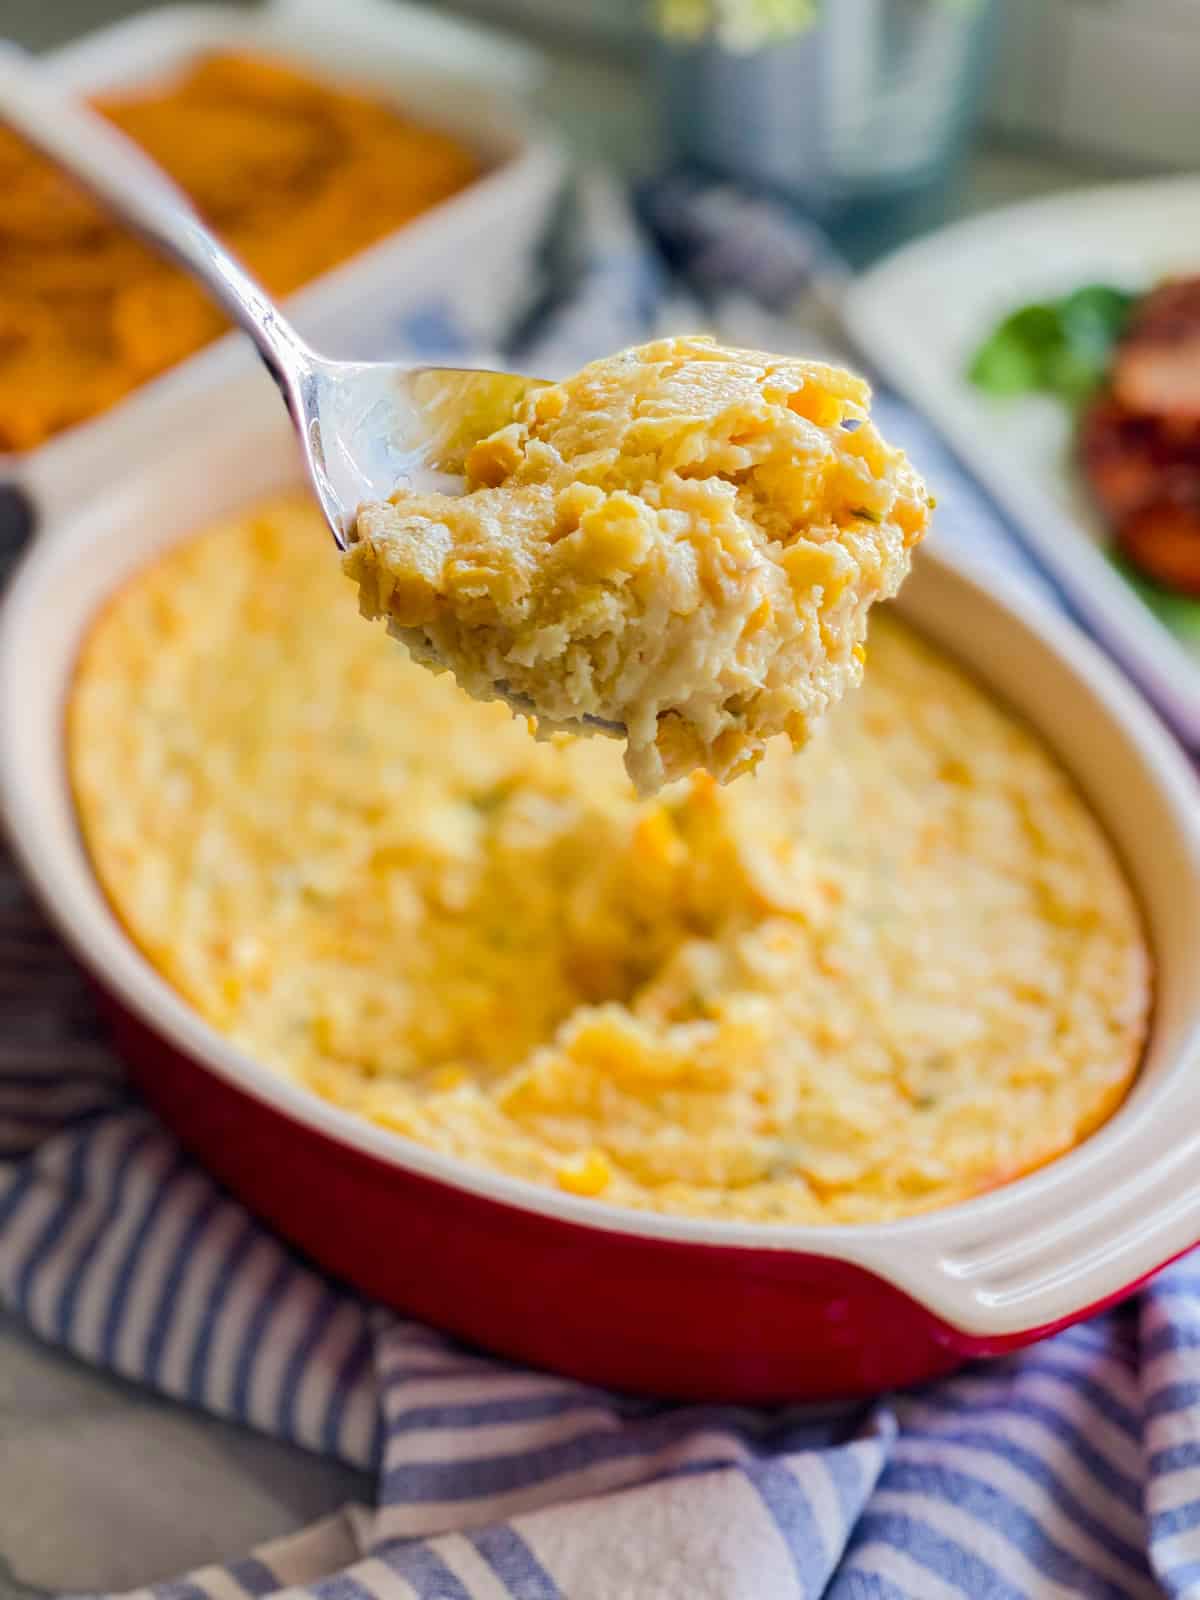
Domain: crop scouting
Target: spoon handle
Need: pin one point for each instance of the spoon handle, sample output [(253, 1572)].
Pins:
[(128, 183)]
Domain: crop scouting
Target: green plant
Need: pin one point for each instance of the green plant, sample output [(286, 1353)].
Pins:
[(738, 24), (1060, 347), (744, 24)]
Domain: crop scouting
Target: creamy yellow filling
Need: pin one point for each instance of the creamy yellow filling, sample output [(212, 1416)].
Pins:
[(682, 540), (871, 979)]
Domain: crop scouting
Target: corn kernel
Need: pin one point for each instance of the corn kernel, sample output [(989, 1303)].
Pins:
[(809, 565), (573, 503), (449, 1077), (492, 460), (587, 1173), (703, 789), (816, 405), (758, 618), (398, 1120), (608, 1040), (655, 841), (614, 536), (735, 754), (798, 729), (911, 513), (549, 403)]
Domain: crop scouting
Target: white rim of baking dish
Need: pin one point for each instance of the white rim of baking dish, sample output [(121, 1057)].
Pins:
[(524, 169), (1021, 1257)]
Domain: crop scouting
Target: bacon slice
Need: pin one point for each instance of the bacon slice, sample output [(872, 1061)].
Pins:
[(1139, 440), (1162, 540), (1122, 454), (1157, 365)]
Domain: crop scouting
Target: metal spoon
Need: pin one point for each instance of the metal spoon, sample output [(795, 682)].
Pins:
[(366, 427)]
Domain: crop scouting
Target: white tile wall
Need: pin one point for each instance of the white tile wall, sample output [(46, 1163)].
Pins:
[(1118, 77), (1114, 78), (614, 21)]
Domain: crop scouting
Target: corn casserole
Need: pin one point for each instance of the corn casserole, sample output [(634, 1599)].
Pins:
[(682, 541), (878, 977)]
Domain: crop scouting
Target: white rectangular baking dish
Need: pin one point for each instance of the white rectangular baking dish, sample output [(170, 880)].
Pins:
[(466, 264)]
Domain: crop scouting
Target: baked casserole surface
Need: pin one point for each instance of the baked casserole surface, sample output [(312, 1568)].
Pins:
[(873, 978)]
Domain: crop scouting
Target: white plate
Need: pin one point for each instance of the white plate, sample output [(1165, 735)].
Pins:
[(467, 261), (922, 313)]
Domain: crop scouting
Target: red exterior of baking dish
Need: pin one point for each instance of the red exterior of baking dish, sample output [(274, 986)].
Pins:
[(654, 1316)]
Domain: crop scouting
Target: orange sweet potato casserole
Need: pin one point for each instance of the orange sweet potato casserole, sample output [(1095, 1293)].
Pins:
[(294, 174)]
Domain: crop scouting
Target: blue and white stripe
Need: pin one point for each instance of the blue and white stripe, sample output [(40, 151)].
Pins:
[(1071, 1469)]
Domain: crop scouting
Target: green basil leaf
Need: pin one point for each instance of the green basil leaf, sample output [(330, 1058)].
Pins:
[(1005, 366)]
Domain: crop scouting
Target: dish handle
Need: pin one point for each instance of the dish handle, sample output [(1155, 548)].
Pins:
[(1083, 1232)]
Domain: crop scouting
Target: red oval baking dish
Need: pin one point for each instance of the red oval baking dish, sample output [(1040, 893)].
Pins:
[(669, 1305)]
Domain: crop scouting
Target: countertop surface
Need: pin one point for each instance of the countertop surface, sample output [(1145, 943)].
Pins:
[(103, 1486)]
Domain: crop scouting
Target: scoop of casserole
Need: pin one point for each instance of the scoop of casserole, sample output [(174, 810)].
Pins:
[(682, 540)]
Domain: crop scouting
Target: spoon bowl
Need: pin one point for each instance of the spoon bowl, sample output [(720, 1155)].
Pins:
[(369, 428)]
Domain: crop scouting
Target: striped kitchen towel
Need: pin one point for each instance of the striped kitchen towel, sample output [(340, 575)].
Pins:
[(1070, 1469)]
